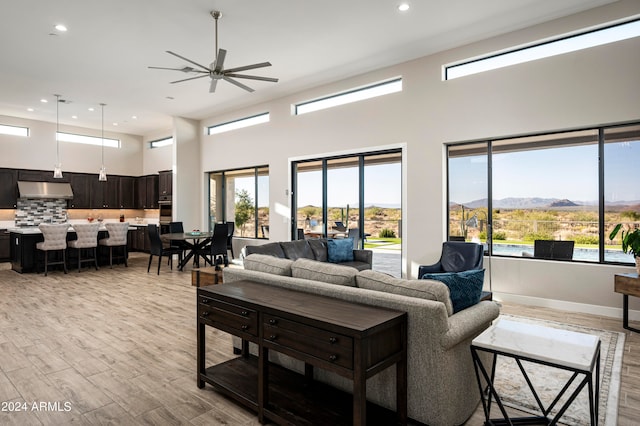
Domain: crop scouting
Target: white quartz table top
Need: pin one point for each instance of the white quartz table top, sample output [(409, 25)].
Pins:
[(561, 347)]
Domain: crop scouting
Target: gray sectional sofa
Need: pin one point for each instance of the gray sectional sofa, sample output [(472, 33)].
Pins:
[(442, 388), (313, 248)]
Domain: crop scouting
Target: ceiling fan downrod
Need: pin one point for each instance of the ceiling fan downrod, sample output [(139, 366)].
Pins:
[(216, 14)]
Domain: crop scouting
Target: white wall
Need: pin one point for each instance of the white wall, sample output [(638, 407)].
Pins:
[(157, 159), (586, 88), (38, 151)]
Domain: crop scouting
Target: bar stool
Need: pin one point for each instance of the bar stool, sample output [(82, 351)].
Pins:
[(87, 239), (117, 238), (55, 239)]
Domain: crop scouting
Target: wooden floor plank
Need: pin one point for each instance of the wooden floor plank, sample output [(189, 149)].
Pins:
[(119, 345)]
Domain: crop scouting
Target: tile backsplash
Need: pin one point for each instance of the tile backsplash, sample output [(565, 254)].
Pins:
[(32, 212)]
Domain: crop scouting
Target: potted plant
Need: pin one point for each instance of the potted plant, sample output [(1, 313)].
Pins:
[(630, 242)]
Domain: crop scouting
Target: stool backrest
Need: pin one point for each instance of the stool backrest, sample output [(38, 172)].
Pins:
[(87, 234), (55, 235), (117, 233)]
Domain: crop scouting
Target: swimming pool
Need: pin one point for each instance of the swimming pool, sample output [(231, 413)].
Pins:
[(579, 253)]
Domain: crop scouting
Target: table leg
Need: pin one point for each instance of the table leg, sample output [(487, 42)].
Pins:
[(401, 390), (200, 354), (625, 314), (263, 382)]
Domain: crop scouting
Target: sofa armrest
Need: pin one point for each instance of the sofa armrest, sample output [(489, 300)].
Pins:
[(363, 256), (470, 322), (424, 269)]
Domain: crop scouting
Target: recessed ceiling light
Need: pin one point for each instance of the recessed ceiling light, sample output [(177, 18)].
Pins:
[(30, 109), (134, 117), (403, 7), (74, 116), (60, 27), (44, 101), (115, 124), (91, 109)]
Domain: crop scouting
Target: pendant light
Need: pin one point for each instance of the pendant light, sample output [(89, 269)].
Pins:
[(57, 169), (102, 177)]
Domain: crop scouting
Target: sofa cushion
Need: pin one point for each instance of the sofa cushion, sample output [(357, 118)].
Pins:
[(325, 272), (271, 249), (297, 249), (340, 250), (268, 264), (319, 248), (465, 287), (423, 289)]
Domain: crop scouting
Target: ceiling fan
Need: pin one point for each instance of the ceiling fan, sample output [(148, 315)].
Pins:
[(216, 69)]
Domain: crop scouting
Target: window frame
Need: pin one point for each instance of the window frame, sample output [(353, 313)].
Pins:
[(88, 140), (160, 143), (240, 123), (5, 130)]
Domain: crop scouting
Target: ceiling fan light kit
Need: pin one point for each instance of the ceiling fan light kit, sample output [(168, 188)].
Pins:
[(216, 71)]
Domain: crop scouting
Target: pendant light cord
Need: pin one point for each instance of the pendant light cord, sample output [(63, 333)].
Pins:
[(102, 139), (57, 129)]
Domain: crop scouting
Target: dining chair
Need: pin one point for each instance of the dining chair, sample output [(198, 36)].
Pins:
[(55, 239), (158, 249), (177, 228), (87, 240), (354, 233), (117, 239), (231, 229), (218, 247)]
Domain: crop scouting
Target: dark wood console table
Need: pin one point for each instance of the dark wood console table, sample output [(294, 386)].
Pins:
[(353, 340), (628, 285)]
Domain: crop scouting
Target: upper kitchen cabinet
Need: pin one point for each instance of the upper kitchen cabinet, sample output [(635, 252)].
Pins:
[(127, 199), (41, 176), (104, 195), (8, 189), (81, 187), (165, 184), (147, 192)]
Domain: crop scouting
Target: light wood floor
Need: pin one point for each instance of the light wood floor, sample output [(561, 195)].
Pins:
[(117, 346)]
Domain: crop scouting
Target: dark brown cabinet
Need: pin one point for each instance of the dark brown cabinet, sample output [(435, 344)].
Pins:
[(41, 176), (147, 192), (8, 189), (139, 239), (81, 187), (165, 184), (126, 192), (5, 246)]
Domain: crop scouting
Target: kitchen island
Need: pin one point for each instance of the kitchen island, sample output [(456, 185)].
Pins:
[(24, 254)]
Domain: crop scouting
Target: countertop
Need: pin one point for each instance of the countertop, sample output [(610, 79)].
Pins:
[(10, 226)]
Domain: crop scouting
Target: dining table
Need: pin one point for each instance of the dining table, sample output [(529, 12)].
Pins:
[(193, 242)]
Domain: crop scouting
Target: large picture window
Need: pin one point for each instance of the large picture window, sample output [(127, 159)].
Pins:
[(241, 196), (519, 195)]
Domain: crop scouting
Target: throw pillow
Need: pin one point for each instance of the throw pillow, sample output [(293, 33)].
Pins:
[(465, 288), (319, 248), (297, 249), (340, 250)]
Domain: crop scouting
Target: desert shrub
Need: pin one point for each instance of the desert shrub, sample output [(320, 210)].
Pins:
[(387, 233), (631, 215), (531, 236), (499, 235), (586, 239)]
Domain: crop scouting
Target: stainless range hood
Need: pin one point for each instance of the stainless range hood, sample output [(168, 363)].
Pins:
[(59, 190)]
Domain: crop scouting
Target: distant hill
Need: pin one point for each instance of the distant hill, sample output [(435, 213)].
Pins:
[(512, 203)]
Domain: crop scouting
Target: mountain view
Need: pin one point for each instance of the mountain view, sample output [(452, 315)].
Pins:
[(512, 203)]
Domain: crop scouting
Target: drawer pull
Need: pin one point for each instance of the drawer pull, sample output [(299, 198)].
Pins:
[(272, 337), (244, 313), (245, 327), (205, 314), (332, 340), (205, 301), (333, 358), (272, 321)]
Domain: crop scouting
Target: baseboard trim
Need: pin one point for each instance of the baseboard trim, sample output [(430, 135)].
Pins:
[(605, 311)]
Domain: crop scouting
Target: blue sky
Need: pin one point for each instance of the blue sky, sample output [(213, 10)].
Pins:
[(568, 172)]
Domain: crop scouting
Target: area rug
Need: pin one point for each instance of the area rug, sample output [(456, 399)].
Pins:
[(548, 381)]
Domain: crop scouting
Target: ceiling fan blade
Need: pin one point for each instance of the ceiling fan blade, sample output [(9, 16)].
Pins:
[(251, 77), (187, 79), (214, 83), (183, 69), (219, 64), (188, 60), (249, 67), (237, 83)]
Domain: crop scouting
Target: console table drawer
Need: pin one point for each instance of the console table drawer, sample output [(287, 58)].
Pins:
[(228, 316), (333, 348)]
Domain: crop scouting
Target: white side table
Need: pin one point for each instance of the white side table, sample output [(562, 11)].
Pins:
[(567, 350)]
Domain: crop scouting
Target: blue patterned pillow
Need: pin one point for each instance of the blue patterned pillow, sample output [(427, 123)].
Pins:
[(340, 250), (465, 288)]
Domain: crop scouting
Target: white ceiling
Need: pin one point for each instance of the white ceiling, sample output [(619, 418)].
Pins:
[(104, 55)]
